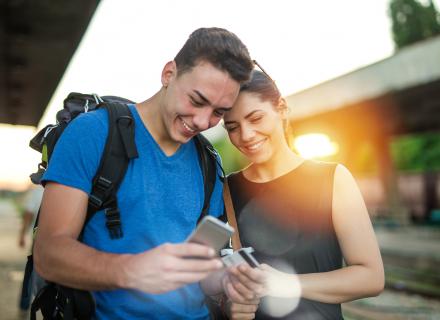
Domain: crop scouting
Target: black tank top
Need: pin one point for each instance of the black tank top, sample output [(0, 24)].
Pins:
[(288, 221)]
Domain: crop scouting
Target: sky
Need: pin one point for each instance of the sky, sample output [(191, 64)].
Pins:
[(299, 43)]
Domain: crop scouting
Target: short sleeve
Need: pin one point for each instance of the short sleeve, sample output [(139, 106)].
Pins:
[(78, 151)]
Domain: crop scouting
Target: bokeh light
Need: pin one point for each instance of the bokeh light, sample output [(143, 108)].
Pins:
[(315, 145)]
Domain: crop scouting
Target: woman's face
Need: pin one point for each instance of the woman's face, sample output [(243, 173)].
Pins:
[(255, 127)]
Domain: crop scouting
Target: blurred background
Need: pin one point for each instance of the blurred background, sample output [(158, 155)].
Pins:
[(362, 80)]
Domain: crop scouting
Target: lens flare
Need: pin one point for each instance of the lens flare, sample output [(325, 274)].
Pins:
[(315, 145), (284, 291)]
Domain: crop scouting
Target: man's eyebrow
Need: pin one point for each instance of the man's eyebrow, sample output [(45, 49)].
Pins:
[(201, 96), (206, 100)]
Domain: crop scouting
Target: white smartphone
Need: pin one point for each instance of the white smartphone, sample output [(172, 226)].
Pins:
[(243, 255), (211, 232)]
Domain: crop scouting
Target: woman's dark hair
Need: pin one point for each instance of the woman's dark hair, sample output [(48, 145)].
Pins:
[(220, 47), (261, 84), (264, 86)]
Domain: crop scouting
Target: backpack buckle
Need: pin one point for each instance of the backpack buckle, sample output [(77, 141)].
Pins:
[(103, 183), (126, 119), (113, 222), (95, 202)]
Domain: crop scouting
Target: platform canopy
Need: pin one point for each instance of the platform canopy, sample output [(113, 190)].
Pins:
[(38, 39), (398, 95)]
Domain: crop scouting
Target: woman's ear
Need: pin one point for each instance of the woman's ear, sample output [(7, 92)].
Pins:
[(169, 72), (282, 108)]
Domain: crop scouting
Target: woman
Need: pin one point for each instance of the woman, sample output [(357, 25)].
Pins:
[(302, 217)]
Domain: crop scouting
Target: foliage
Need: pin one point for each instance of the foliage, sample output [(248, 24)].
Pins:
[(232, 159), (417, 152), (412, 21)]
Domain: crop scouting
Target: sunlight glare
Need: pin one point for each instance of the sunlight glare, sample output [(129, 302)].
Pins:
[(19, 159), (284, 292), (315, 145)]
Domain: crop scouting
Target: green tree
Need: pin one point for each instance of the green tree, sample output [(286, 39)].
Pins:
[(417, 153), (412, 21)]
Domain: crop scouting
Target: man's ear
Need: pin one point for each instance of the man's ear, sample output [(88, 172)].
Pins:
[(169, 72)]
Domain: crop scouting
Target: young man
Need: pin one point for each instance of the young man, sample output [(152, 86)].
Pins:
[(148, 273), (31, 204)]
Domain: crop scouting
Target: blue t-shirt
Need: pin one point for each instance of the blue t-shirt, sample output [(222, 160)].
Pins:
[(160, 200)]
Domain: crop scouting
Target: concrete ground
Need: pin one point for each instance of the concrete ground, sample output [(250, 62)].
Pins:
[(12, 262), (411, 258), (414, 246)]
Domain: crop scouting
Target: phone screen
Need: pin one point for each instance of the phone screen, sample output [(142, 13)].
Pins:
[(248, 258), (243, 255)]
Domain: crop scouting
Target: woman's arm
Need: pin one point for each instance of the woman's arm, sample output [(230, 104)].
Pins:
[(364, 275), (236, 289)]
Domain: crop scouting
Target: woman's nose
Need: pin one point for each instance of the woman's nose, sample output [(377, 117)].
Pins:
[(247, 133)]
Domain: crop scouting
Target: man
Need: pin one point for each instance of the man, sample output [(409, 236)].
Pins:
[(31, 204), (148, 273)]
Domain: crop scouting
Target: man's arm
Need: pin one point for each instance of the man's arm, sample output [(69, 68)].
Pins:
[(61, 258)]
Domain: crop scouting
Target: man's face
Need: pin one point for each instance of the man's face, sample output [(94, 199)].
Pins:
[(195, 100)]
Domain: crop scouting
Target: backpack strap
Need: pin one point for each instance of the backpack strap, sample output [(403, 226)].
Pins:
[(119, 149), (209, 162)]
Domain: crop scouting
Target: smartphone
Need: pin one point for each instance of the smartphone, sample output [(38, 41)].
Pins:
[(211, 232), (243, 255)]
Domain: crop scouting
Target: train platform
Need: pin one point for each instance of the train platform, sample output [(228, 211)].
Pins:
[(411, 256)]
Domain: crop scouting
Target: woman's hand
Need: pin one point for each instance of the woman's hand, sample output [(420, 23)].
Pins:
[(280, 284), (236, 311), (243, 283)]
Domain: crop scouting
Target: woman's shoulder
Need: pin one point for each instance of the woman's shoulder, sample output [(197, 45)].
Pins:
[(319, 169), (233, 177), (321, 164)]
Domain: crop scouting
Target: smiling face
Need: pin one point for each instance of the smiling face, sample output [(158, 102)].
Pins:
[(255, 127), (195, 100)]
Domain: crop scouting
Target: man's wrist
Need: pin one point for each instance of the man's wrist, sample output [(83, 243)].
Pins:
[(120, 272)]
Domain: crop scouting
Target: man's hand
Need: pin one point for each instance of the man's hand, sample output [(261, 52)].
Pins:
[(21, 241), (168, 267)]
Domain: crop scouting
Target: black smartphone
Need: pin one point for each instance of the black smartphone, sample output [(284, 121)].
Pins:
[(243, 255)]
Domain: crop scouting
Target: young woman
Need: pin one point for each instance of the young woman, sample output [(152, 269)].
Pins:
[(302, 217)]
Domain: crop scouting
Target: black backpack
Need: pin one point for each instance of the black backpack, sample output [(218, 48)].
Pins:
[(119, 149)]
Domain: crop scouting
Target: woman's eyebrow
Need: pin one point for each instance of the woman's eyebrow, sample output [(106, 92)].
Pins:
[(229, 122), (251, 114), (246, 117)]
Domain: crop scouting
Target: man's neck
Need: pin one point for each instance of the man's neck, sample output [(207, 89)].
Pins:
[(150, 113)]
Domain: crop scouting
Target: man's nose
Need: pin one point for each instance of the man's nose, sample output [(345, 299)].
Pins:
[(202, 119)]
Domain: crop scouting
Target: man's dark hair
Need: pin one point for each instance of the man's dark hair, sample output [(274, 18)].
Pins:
[(220, 47)]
